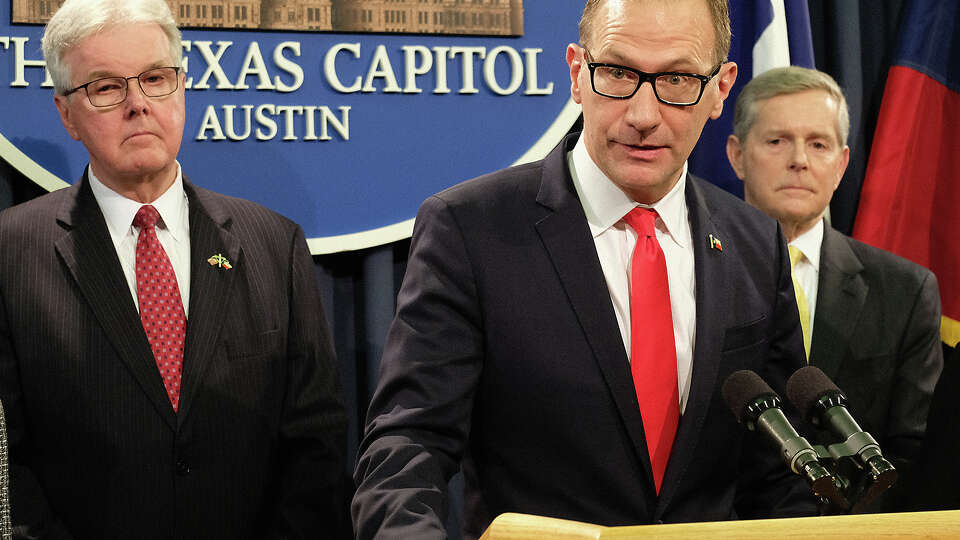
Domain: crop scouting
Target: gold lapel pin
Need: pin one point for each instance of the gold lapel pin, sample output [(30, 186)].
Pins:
[(715, 243), (219, 261)]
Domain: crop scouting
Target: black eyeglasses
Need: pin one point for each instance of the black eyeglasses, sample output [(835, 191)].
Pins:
[(109, 91), (670, 87)]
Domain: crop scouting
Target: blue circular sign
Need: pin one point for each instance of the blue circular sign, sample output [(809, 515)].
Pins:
[(345, 133)]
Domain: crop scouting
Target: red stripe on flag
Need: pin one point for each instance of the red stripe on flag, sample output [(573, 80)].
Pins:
[(910, 202)]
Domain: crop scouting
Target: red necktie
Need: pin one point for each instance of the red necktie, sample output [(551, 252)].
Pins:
[(161, 307), (653, 355)]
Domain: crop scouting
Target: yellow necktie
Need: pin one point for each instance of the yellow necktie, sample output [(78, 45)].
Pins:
[(802, 305)]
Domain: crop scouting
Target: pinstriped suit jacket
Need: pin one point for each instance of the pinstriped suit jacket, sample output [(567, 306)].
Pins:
[(96, 448)]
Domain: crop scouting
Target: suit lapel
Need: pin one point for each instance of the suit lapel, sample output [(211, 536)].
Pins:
[(210, 289), (567, 239), (841, 292), (712, 299), (89, 254)]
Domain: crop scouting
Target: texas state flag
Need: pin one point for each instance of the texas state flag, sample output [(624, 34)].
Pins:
[(766, 34), (910, 201)]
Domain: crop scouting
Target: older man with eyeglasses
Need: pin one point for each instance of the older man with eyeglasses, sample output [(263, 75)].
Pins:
[(165, 365), (564, 327)]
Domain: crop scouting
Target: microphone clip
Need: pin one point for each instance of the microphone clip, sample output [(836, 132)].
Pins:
[(857, 463), (860, 470)]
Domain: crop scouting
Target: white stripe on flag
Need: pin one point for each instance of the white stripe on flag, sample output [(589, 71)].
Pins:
[(772, 49)]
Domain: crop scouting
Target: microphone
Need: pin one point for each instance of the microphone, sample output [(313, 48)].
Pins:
[(755, 404), (824, 405)]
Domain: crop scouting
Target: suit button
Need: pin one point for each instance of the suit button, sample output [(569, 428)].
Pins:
[(183, 468)]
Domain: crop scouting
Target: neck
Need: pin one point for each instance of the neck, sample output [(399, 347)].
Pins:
[(650, 195), (793, 230), (144, 188)]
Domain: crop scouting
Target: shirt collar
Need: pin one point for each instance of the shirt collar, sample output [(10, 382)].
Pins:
[(809, 244), (605, 204), (119, 211)]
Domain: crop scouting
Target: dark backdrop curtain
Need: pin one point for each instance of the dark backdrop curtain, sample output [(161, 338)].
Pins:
[(853, 40)]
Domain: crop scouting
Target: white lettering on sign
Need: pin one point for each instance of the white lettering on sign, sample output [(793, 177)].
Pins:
[(330, 67), (414, 68), (297, 122), (253, 64), (289, 66), (380, 75), (213, 65), (516, 71), (285, 74), (20, 62), (380, 68), (532, 88)]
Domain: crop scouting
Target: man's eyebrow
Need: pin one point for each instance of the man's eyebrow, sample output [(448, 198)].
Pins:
[(683, 65), (825, 135), (103, 73), (788, 132), (100, 74)]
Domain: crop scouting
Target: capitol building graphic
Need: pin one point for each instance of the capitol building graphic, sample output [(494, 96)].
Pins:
[(467, 17)]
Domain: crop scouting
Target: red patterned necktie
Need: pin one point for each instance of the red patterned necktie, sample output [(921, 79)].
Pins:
[(161, 307), (653, 354)]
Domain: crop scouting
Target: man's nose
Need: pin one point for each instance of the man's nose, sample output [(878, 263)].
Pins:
[(798, 158), (136, 100), (643, 109)]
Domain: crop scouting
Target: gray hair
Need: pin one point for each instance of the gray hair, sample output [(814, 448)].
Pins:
[(79, 19), (787, 80)]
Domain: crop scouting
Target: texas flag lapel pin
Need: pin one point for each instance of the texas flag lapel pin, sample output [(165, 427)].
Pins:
[(715, 243), (219, 261)]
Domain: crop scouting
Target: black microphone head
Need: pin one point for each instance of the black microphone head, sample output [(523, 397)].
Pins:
[(805, 388), (740, 390)]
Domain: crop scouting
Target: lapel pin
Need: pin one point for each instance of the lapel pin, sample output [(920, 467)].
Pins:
[(219, 261), (715, 243)]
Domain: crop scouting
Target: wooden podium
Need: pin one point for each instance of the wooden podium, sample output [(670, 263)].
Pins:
[(943, 524)]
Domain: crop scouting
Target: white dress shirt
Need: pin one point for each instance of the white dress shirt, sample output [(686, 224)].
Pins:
[(807, 269), (605, 205), (173, 231)]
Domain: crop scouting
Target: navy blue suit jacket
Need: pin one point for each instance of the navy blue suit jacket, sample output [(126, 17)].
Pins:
[(505, 356)]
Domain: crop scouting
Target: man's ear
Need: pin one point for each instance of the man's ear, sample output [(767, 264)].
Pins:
[(63, 107), (735, 155), (725, 79), (843, 167), (575, 61)]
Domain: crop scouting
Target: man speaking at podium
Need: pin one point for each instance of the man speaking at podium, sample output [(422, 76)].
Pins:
[(165, 364), (564, 327)]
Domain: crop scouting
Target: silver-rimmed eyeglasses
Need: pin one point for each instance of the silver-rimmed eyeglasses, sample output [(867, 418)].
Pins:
[(670, 87), (109, 91)]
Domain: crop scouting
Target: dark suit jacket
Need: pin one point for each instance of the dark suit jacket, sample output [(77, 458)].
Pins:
[(97, 451), (505, 354), (933, 485), (876, 333)]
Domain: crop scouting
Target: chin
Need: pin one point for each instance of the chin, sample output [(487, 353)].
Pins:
[(148, 167), (150, 160)]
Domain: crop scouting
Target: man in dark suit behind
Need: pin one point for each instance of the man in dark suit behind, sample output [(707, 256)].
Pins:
[(165, 364), (514, 352), (872, 318)]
